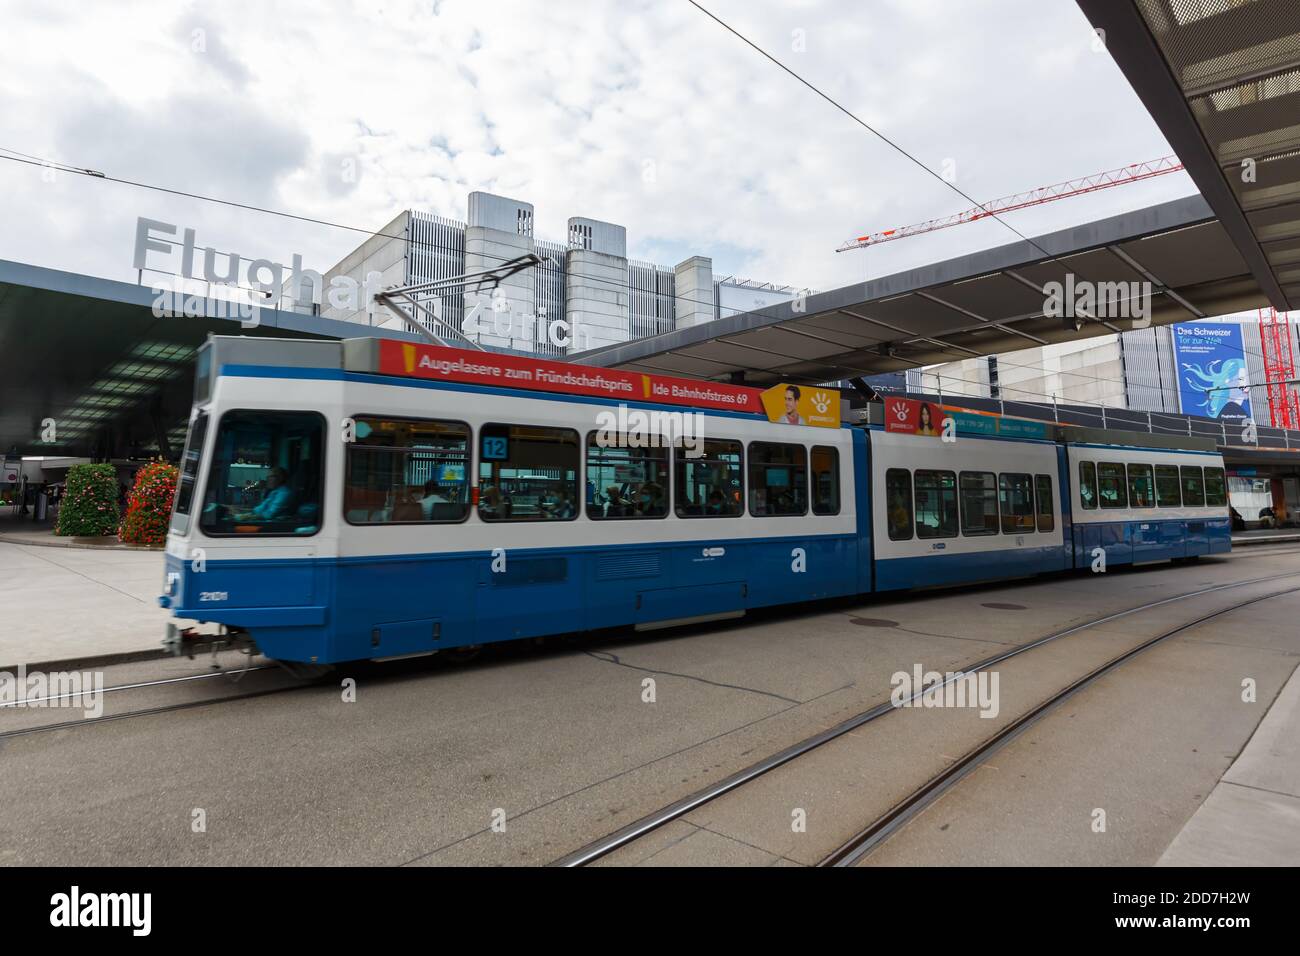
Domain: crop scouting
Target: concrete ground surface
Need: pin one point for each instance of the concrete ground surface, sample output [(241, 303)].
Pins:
[(1126, 747), (1252, 816), (77, 604), (560, 743)]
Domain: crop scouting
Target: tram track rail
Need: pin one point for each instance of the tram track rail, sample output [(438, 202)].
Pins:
[(871, 837), (50, 699), (897, 816)]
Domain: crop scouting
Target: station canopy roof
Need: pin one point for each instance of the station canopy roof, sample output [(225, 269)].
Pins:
[(90, 354), (976, 305), (1221, 78)]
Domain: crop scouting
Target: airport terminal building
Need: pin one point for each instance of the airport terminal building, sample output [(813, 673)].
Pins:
[(587, 280)]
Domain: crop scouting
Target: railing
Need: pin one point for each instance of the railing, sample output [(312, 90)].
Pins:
[(1241, 435)]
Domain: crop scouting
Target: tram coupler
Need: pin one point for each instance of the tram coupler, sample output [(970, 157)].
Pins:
[(190, 641)]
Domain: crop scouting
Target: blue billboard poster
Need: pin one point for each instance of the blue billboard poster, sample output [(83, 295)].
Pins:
[(1212, 376)]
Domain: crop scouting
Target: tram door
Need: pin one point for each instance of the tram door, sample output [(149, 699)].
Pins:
[(528, 476)]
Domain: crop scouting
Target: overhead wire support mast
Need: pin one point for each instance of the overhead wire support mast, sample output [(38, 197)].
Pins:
[(424, 299), (1034, 197)]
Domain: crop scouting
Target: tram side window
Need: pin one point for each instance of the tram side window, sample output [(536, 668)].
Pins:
[(979, 502), (266, 474), (1168, 494), (406, 471), (711, 485), (1110, 485), (1193, 489), (898, 504), (778, 479), (190, 463), (825, 480), (1016, 498), (1141, 493), (1046, 509), (623, 481), (1087, 485), (1216, 494), (527, 473), (936, 504)]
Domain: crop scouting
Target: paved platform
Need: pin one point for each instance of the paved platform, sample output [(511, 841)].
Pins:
[(21, 529), (1252, 816), (77, 604)]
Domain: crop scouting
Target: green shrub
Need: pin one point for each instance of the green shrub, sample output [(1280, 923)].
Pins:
[(89, 507)]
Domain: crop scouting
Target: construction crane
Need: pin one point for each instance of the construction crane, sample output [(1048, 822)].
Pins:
[(1034, 197), (1274, 329), (1279, 369)]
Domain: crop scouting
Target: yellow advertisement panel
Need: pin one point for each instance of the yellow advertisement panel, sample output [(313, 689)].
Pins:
[(802, 405)]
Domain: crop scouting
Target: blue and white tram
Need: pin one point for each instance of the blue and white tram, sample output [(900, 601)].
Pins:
[(1146, 504), (331, 513), (973, 510)]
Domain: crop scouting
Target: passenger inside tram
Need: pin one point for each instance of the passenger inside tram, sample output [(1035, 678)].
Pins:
[(900, 522), (561, 507), (650, 502), (615, 505), (432, 497), (495, 505)]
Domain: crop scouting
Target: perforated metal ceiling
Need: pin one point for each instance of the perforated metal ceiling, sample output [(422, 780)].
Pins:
[(1234, 66)]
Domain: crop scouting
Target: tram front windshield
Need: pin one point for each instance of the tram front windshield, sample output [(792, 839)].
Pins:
[(266, 475)]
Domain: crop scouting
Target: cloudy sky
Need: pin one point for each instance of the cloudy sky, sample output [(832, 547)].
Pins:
[(643, 113)]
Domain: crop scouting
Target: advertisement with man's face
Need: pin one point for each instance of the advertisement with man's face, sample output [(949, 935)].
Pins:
[(802, 405)]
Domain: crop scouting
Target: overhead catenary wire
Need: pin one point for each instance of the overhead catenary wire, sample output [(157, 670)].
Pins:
[(33, 160), (864, 124), (30, 160), (875, 132)]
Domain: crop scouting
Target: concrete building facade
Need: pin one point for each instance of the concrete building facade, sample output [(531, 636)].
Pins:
[(586, 293), (1135, 370)]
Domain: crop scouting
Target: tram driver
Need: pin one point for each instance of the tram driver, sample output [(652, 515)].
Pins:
[(277, 502)]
